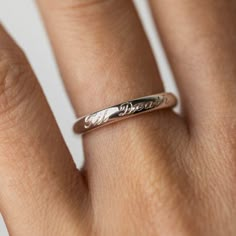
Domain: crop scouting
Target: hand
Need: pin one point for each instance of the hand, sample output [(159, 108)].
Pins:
[(156, 174)]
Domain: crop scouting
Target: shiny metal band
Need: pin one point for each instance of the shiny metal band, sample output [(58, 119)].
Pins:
[(123, 111)]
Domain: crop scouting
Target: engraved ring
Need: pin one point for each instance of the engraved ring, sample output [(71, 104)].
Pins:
[(123, 111)]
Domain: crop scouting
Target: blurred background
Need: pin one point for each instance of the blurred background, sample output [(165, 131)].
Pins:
[(23, 21)]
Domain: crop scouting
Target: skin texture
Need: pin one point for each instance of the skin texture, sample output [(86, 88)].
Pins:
[(159, 174)]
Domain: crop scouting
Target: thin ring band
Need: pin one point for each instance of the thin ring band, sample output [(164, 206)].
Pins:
[(123, 111)]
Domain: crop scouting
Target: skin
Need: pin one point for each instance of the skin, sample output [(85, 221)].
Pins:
[(156, 174)]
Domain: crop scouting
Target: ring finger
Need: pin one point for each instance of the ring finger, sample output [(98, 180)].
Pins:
[(105, 59)]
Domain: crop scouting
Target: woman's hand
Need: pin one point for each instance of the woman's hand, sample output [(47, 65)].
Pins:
[(156, 174)]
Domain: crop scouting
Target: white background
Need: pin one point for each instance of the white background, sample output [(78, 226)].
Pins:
[(23, 21)]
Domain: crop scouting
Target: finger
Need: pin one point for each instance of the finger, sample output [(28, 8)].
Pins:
[(96, 45), (106, 59), (200, 37), (40, 186)]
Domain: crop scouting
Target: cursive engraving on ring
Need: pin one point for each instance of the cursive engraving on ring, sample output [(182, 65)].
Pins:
[(96, 119), (124, 109), (129, 108)]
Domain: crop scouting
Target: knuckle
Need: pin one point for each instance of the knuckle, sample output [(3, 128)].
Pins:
[(84, 10), (75, 4), (14, 71)]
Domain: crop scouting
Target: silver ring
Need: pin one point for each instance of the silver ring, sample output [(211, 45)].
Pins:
[(123, 111)]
